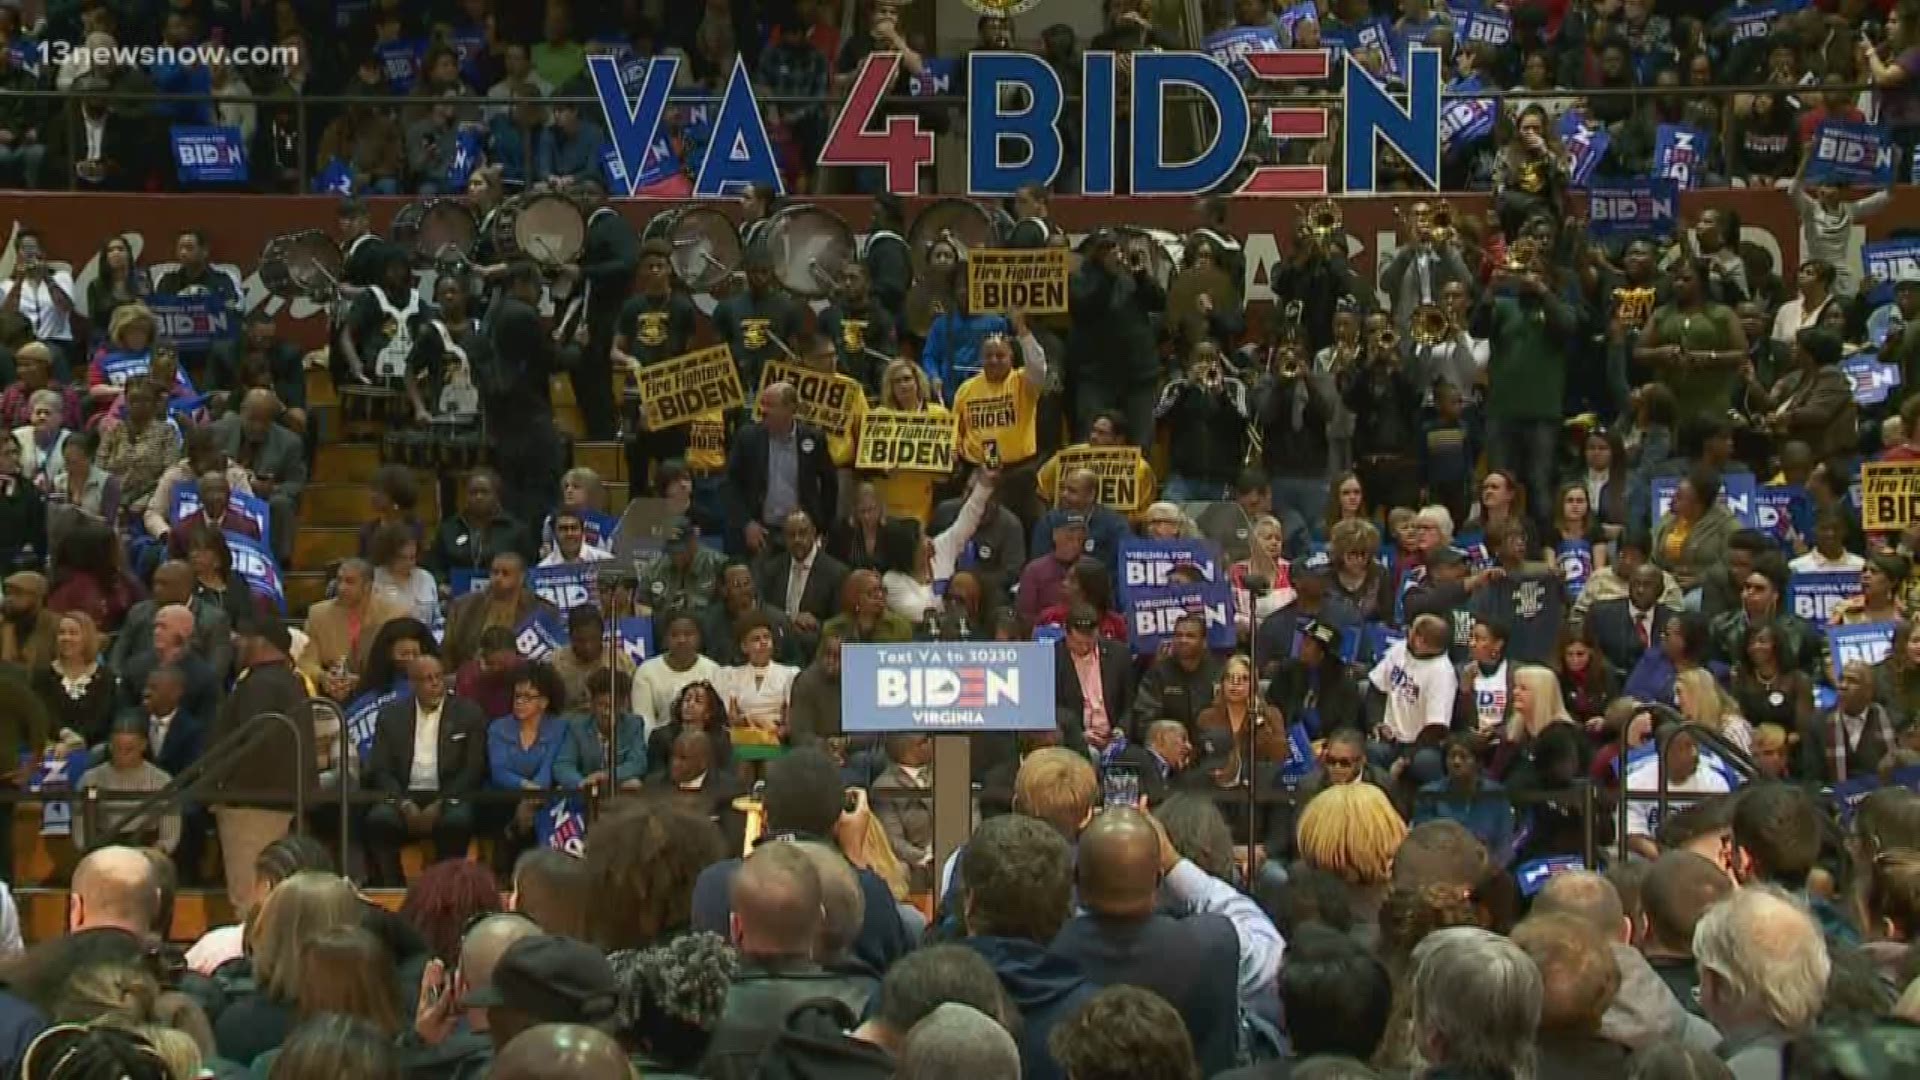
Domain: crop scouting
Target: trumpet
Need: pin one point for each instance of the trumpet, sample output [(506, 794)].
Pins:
[(1386, 340), (1324, 220), (1431, 325), (1440, 226), (1520, 256)]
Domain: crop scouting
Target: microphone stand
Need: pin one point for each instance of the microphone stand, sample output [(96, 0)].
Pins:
[(1256, 709)]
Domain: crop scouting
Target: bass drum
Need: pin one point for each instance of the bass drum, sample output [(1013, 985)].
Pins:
[(973, 224), (302, 265), (706, 246), (543, 226), (809, 248)]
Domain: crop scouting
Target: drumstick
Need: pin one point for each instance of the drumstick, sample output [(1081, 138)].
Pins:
[(791, 355)]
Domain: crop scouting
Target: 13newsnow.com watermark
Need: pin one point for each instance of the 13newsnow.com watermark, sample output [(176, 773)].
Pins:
[(62, 53)]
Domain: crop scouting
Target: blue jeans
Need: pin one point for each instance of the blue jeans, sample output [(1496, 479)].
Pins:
[(1180, 489), (1526, 448), (1300, 503)]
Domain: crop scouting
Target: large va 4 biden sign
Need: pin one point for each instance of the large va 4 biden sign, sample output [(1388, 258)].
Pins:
[(1007, 149)]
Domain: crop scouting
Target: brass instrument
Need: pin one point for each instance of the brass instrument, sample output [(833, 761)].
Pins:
[(1520, 256), (1440, 224), (1324, 221), (1431, 325), (1386, 340)]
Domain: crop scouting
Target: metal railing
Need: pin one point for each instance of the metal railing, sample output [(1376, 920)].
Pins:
[(306, 106)]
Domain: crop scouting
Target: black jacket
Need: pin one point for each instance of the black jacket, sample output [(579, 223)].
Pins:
[(759, 1001), (609, 258), (271, 764), (1116, 682), (518, 381), (812, 1044), (821, 597), (458, 545), (1337, 697), (1202, 985), (1613, 631), (1290, 449), (1386, 411), (23, 525), (1209, 428), (817, 483), (1113, 337), (461, 753)]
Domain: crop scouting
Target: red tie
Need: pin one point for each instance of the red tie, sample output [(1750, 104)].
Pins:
[(1640, 625)]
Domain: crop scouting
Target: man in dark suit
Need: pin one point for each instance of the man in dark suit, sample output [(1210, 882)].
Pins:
[(607, 264), (1160, 759), (212, 632), (275, 460), (175, 734), (1086, 665), (1123, 937), (517, 399), (777, 466), (802, 580), (171, 644), (1627, 627), (451, 766)]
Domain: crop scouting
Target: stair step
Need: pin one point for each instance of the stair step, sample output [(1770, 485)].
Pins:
[(320, 547), (320, 386), (346, 463), (609, 459), (343, 505), (305, 588)]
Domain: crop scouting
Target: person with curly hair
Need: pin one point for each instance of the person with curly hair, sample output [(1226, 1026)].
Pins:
[(1124, 1033), (671, 998), (445, 899), (642, 864)]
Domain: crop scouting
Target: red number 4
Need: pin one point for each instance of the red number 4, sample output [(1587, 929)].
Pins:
[(901, 147)]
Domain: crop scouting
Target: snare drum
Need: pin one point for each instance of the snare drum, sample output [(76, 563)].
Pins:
[(378, 403), (706, 246), (544, 226)]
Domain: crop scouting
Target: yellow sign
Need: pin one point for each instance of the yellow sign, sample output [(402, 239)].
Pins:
[(1889, 495), (1117, 467), (1033, 280), (827, 400), (676, 391), (913, 441)]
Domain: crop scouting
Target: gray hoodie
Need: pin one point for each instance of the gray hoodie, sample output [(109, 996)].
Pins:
[(1645, 1010)]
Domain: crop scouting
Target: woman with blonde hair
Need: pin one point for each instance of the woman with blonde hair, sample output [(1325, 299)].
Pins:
[(1544, 751), (1352, 832), (131, 333), (904, 492), (1702, 701), (1166, 521), (1264, 561), (1235, 705), (1353, 550), (298, 910), (1537, 703)]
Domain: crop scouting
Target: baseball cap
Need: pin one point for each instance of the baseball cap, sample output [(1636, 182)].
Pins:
[(1327, 636), (271, 629), (554, 980), (1073, 519), (1083, 619), (1908, 275), (679, 529), (1316, 563)]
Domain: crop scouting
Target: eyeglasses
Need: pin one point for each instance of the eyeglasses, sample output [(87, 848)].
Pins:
[(528, 695)]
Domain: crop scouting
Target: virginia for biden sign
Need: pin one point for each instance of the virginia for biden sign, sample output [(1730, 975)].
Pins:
[(955, 687), (1008, 148)]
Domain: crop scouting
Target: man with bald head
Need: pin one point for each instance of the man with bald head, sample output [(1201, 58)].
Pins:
[(775, 466), (113, 889), (216, 513), (275, 460), (1644, 1011), (211, 629), (562, 1052), (454, 1036), (172, 642), (1123, 938), (1080, 494), (777, 926)]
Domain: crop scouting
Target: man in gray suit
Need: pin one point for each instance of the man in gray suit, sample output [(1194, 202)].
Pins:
[(1420, 272), (212, 631), (275, 460)]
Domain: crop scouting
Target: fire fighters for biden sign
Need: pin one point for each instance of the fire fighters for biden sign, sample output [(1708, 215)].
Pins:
[(955, 687)]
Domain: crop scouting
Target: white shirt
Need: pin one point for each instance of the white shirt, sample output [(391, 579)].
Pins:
[(753, 695), (656, 686), (96, 136), (157, 728), (911, 599), (588, 554), (1420, 693), (798, 571), (36, 305), (1644, 780), (425, 773), (1794, 317), (1815, 563)]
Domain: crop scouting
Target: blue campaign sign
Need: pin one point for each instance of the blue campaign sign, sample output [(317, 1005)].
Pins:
[(1146, 563), (562, 826), (1738, 493), (1814, 596), (1783, 508), (399, 63), (636, 638), (120, 367), (1754, 21), (540, 636), (1491, 27), (1890, 260), (255, 566), (363, 715), (952, 687), (1850, 152), (1576, 565), (1533, 875), (1585, 146), (186, 500), (1646, 207), (566, 587), (1465, 121), (1680, 154), (1152, 612), (935, 78), (1863, 643), (1300, 760), (1231, 46), (193, 323), (1872, 380), (209, 155), (1848, 796), (334, 178)]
